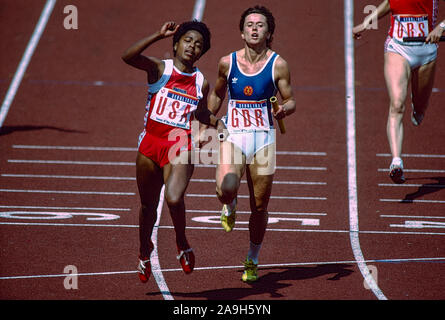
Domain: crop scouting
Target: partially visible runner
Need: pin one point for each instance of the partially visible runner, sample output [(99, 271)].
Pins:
[(252, 75), (405, 62), (176, 89)]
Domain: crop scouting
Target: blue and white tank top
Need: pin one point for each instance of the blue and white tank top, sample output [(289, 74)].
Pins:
[(249, 108)]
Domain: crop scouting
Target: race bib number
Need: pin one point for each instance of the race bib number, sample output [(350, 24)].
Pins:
[(248, 115), (174, 108), (410, 26)]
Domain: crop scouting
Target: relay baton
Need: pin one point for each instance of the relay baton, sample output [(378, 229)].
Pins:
[(274, 102), (419, 39)]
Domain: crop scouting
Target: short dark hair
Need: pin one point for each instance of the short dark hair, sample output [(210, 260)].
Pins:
[(197, 26), (265, 12)]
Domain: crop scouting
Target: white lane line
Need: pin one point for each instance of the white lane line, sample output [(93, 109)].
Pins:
[(274, 182), (426, 185), (73, 148), (301, 153), (351, 146), (56, 215), (64, 208), (64, 275), (413, 155), (198, 195), (24, 62), (419, 224), (415, 170), (126, 149), (219, 228), (52, 176), (94, 163), (279, 153), (305, 183), (413, 201), (70, 192), (301, 168), (44, 224), (412, 217), (272, 265), (276, 167), (123, 163), (154, 259), (194, 195), (198, 10), (270, 212)]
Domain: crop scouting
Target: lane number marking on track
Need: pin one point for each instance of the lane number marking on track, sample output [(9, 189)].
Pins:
[(409, 224), (303, 221), (50, 215)]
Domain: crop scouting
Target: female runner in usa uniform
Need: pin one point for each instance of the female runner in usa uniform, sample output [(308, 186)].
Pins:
[(252, 75), (407, 61), (176, 89)]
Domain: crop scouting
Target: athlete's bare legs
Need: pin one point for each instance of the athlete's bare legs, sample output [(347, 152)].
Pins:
[(149, 180), (422, 85), (177, 177), (397, 74)]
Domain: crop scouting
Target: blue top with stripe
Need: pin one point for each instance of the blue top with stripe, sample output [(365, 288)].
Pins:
[(262, 83), (252, 87)]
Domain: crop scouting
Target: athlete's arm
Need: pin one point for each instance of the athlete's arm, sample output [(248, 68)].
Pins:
[(153, 66), (382, 10), (202, 113), (282, 76), (219, 92)]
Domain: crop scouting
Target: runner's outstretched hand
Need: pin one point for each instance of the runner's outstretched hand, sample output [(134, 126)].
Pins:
[(168, 29)]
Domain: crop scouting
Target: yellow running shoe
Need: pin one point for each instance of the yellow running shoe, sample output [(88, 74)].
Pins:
[(250, 271), (228, 218)]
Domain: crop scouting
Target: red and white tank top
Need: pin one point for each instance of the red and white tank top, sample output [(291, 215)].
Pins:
[(412, 18), (172, 100)]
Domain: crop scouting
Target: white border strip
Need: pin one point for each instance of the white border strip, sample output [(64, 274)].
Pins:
[(351, 140), (20, 72)]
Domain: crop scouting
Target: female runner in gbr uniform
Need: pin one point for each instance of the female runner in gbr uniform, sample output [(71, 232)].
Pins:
[(176, 89), (404, 62), (251, 75)]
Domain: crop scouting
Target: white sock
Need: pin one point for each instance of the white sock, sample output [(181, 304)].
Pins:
[(397, 161), (232, 207), (254, 252)]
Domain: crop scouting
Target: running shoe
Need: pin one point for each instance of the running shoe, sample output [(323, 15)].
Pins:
[(416, 118), (396, 172), (144, 269), (186, 259), (228, 217), (250, 271)]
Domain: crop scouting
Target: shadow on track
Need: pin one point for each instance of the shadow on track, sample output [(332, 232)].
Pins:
[(10, 129), (269, 283), (425, 189)]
